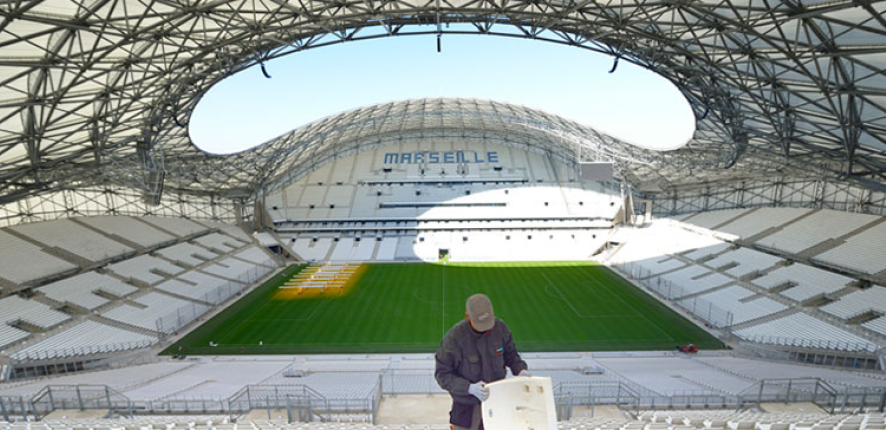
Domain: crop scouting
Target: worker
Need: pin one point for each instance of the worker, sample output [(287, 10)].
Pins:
[(473, 353)]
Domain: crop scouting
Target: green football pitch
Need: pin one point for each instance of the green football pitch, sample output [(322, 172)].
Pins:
[(571, 306)]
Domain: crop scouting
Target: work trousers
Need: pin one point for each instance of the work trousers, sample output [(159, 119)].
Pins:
[(475, 420)]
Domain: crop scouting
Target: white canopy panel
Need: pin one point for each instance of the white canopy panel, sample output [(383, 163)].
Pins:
[(99, 91)]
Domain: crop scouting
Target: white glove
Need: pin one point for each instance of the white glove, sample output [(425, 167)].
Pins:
[(479, 391), (524, 373)]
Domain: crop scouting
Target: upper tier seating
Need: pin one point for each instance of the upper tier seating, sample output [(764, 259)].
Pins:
[(387, 249), (14, 308), (349, 249), (748, 262), (707, 251), (176, 286), (694, 279), (156, 305), (865, 252), (10, 335), (877, 324), (255, 255), (202, 280), (22, 261), (220, 242), (557, 245), (78, 290), (859, 302), (658, 265), (815, 229), (406, 248), (187, 254), (761, 220), (128, 228), (311, 250), (803, 330), (178, 226), (229, 268), (808, 282), (194, 284), (86, 338), (656, 242), (96, 291), (712, 219), (680, 217), (734, 299), (74, 238), (230, 230), (309, 199), (143, 268)]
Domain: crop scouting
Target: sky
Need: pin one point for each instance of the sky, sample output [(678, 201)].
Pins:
[(633, 104)]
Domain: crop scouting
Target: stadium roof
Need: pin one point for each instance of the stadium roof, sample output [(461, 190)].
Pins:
[(101, 91)]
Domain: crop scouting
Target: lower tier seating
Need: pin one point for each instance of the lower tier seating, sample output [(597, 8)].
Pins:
[(86, 338), (805, 331)]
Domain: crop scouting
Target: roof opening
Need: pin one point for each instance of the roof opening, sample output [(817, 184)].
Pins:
[(631, 103)]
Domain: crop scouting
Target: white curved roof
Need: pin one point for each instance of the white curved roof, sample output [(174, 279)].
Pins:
[(100, 91)]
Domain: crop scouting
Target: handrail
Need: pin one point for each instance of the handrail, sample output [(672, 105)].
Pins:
[(830, 345)]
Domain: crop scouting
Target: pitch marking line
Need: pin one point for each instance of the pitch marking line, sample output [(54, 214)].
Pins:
[(303, 319), (249, 317), (591, 278), (578, 314), (443, 305), (562, 297), (243, 321)]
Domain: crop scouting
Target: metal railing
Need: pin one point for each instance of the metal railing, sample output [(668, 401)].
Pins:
[(838, 353), (80, 351), (812, 390), (569, 395), (831, 345), (78, 397), (393, 382), (702, 308), (38, 367), (303, 404), (25, 363), (186, 314)]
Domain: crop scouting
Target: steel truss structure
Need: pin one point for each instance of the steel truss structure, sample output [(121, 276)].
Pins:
[(116, 200), (99, 92), (782, 192)]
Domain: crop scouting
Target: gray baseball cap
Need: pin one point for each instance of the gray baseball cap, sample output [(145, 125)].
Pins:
[(480, 311)]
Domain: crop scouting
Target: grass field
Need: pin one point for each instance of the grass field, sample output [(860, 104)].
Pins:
[(408, 307)]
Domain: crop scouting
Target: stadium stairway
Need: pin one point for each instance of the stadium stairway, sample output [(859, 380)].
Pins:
[(278, 259)]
